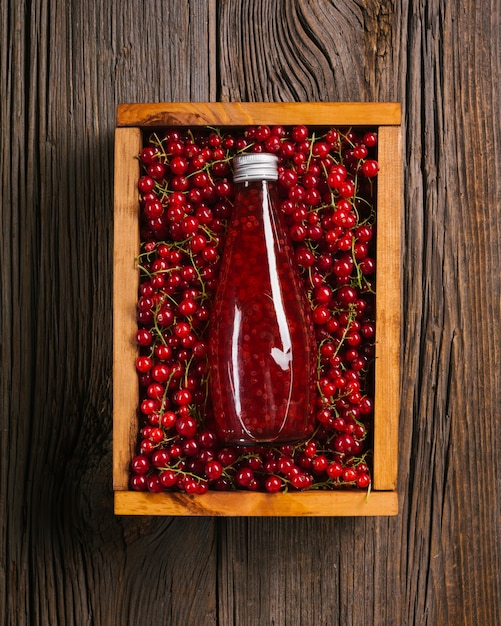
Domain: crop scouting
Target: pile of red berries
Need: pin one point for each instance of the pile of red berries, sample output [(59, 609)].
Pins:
[(327, 179)]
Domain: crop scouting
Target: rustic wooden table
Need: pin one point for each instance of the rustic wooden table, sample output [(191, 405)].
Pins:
[(66, 560)]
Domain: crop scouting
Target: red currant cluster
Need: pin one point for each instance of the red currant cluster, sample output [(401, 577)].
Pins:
[(327, 185)]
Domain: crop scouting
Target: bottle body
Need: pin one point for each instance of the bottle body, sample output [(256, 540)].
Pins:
[(261, 348)]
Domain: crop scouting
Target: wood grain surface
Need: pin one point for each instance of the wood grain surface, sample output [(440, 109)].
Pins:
[(65, 559), (249, 113), (344, 503)]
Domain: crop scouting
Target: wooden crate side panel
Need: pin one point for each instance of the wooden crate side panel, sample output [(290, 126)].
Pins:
[(125, 278), (256, 504), (245, 113), (388, 309)]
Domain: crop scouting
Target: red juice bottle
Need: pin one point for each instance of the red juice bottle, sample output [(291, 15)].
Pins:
[(261, 345)]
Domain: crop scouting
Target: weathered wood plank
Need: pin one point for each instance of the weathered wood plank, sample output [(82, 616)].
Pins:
[(452, 285), (291, 51), (65, 558), (425, 565), (306, 54)]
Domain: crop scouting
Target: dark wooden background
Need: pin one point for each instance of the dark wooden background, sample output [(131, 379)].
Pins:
[(65, 559)]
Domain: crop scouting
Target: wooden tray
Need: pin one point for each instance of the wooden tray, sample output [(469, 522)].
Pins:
[(132, 120)]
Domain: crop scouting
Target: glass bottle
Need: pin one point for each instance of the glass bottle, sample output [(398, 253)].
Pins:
[(261, 344)]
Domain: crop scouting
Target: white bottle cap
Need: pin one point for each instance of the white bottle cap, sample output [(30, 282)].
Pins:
[(255, 166)]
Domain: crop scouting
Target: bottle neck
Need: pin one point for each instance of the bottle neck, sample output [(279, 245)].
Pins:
[(256, 183), (256, 192)]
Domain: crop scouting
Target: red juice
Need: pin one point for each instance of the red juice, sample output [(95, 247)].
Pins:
[(261, 348)]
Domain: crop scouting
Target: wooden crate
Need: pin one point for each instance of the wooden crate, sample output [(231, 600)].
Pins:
[(132, 121)]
